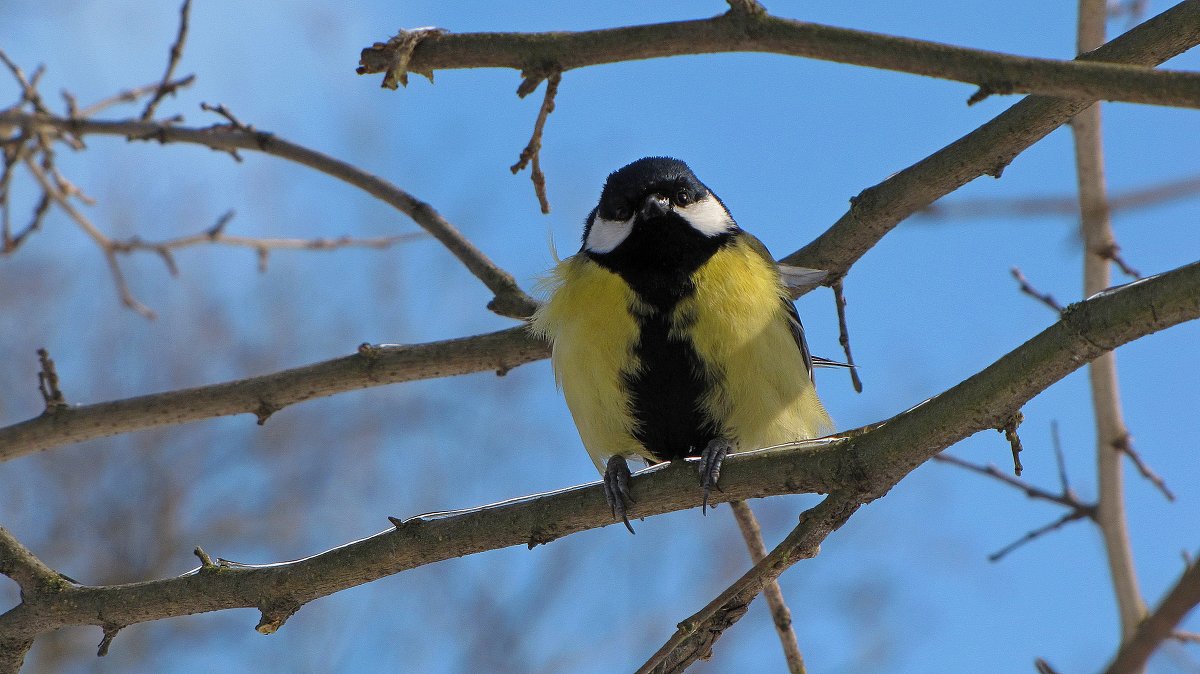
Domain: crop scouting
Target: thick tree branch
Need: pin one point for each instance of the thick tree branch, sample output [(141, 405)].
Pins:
[(862, 466), (993, 72), (262, 396), (986, 150)]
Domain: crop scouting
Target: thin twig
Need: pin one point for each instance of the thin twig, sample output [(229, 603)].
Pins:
[(1067, 498), (1112, 253), (132, 95), (1125, 445), (533, 150), (510, 300), (1060, 460), (216, 235), (1027, 288), (839, 300), (780, 614), (101, 239), (1009, 429), (164, 86), (48, 383), (1037, 533)]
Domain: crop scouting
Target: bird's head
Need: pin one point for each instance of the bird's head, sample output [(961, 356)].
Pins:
[(654, 201)]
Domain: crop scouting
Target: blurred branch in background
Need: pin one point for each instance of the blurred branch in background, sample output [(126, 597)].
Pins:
[(1098, 241), (1032, 206)]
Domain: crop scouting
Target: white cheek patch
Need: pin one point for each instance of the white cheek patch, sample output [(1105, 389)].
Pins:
[(707, 216), (605, 235)]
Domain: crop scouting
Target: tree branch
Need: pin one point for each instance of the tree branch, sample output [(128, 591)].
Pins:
[(262, 396), (1159, 625), (736, 31), (860, 467), (781, 616), (510, 300)]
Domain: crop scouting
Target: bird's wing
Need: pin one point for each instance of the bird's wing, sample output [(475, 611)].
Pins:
[(794, 324)]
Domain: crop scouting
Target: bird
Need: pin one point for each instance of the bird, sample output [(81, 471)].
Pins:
[(673, 334)]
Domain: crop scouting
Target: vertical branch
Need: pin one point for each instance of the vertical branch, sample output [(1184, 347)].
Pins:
[(1110, 426), (780, 613)]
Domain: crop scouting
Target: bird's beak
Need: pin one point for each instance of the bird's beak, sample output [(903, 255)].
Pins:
[(655, 205)]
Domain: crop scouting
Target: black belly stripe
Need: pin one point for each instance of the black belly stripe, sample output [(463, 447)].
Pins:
[(666, 393)]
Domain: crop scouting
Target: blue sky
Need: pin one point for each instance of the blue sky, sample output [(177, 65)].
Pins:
[(904, 587)]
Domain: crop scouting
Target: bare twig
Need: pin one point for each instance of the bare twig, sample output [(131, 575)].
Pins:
[(101, 239), (1009, 429), (1112, 253), (780, 614), (132, 95), (510, 300), (992, 71), (533, 150), (1028, 289), (1067, 498), (1060, 460), (216, 235), (1037, 533), (1098, 243), (839, 300), (1125, 445), (1076, 509), (48, 383), (164, 86)]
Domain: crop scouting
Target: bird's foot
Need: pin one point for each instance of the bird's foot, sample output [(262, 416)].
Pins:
[(710, 467), (616, 489)]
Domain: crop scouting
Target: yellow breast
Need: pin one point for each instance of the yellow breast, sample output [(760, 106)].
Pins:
[(588, 319), (760, 391)]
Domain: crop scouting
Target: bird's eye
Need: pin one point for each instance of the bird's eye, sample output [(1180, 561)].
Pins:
[(623, 213), (682, 198)]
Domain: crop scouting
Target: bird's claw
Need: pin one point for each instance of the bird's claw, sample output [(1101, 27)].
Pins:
[(710, 467), (616, 489)]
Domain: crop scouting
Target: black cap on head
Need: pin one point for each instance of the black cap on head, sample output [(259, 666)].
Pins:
[(627, 187)]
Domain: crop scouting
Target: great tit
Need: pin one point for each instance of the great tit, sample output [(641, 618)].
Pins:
[(673, 334)]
